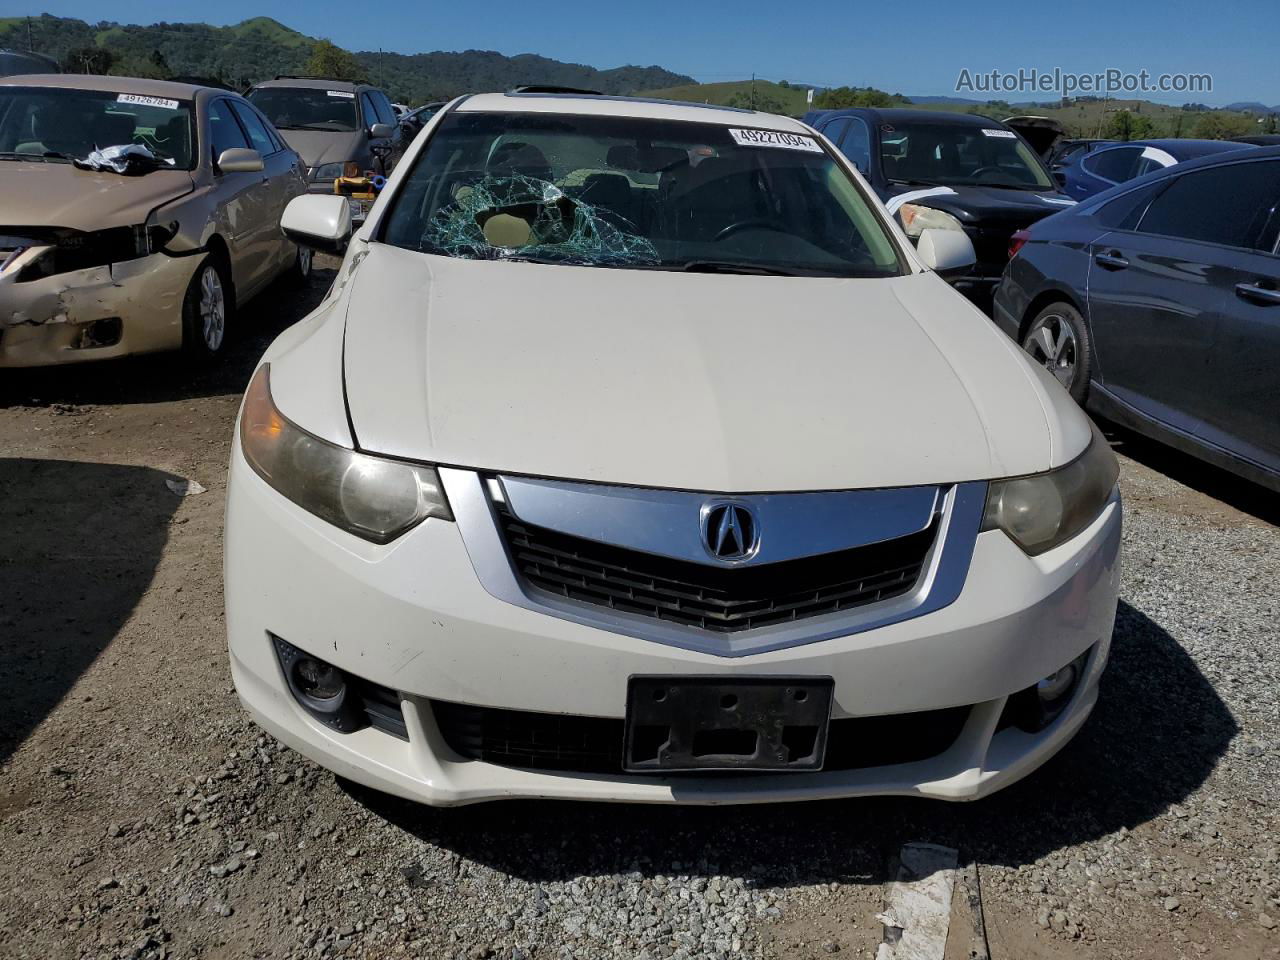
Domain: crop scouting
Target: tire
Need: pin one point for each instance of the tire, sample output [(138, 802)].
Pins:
[(206, 310), (299, 272), (1057, 339)]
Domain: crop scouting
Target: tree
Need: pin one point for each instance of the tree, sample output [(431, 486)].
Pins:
[(1130, 126), (88, 60), (763, 102), (838, 98), (1219, 125), (330, 60)]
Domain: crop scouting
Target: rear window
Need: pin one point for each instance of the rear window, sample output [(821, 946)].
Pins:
[(302, 108), (61, 123)]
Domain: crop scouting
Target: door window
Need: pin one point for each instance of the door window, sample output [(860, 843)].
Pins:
[(1229, 204), (369, 110), (855, 144), (224, 129), (386, 114), (1114, 165), (261, 140)]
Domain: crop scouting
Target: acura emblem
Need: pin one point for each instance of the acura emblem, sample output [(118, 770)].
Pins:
[(730, 531)]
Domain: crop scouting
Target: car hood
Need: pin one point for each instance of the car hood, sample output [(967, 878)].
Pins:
[(39, 194), (322, 146), (690, 381), (984, 206)]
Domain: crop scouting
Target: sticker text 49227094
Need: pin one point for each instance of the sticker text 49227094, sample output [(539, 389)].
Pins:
[(774, 138)]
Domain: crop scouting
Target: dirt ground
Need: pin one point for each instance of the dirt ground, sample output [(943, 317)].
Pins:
[(142, 814)]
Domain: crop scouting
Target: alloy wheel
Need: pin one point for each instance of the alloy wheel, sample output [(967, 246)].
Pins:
[(213, 308), (1051, 342)]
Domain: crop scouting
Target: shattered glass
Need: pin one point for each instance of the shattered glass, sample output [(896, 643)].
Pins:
[(522, 217)]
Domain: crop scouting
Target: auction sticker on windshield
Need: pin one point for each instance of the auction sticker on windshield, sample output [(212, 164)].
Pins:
[(1004, 134), (774, 138), (341, 93), (142, 101)]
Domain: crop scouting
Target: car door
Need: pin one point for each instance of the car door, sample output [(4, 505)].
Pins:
[(1159, 297), (387, 115), (244, 205), (282, 169), (380, 147), (1245, 360)]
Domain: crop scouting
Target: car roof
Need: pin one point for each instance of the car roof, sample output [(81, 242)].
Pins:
[(906, 115), (313, 83), (1220, 158), (1184, 148), (84, 81), (641, 107)]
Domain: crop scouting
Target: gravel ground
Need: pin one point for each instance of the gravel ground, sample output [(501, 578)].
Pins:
[(143, 816)]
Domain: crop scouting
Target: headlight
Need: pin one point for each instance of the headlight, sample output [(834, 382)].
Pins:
[(331, 171), (916, 219), (71, 250), (372, 497), (1042, 511)]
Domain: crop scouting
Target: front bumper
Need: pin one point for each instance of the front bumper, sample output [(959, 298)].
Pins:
[(413, 616), (55, 320)]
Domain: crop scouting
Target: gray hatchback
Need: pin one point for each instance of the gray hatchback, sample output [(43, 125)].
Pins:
[(1157, 305)]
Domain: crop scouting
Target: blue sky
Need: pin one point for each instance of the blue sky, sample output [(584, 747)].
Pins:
[(917, 48)]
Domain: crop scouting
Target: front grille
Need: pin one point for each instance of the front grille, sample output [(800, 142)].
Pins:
[(563, 742), (722, 599), (380, 707)]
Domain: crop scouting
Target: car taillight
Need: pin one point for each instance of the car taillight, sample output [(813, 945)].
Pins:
[(1016, 241)]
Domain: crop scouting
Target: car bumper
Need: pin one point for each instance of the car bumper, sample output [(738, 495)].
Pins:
[(94, 314), (413, 616)]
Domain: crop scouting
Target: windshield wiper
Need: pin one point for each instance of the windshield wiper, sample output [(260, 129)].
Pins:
[(916, 182), (727, 266), (336, 126)]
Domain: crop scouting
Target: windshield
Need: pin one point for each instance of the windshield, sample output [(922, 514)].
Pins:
[(636, 193), (298, 108), (60, 124), (952, 154)]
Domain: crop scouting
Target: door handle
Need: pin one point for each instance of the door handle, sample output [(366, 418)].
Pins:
[(1110, 261), (1265, 296)]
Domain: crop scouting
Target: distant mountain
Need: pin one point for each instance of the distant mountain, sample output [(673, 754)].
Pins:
[(260, 48), (1251, 106)]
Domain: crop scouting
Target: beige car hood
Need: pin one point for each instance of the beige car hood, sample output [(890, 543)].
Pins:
[(56, 194)]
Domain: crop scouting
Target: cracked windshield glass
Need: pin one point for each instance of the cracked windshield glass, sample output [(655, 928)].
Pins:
[(639, 194)]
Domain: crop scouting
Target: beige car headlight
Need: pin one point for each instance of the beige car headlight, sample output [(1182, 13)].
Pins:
[(916, 219), (372, 497), (1041, 511)]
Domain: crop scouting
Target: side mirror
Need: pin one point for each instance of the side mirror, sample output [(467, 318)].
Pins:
[(318, 221), (949, 253), (240, 160), (381, 131)]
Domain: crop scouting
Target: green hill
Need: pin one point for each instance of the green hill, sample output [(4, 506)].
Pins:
[(261, 47), (769, 97)]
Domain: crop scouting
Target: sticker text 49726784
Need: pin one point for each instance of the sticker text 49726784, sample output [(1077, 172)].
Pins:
[(774, 138)]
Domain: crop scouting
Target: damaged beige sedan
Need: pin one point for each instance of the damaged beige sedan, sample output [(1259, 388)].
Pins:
[(136, 215)]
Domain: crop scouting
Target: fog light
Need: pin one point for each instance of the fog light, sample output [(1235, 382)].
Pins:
[(318, 680), (1034, 708), (320, 688), (1056, 685)]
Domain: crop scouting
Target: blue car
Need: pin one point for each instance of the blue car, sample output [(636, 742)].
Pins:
[(950, 171), (1090, 172), (1157, 305)]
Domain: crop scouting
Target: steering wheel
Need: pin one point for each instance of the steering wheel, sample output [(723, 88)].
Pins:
[(982, 171), (758, 224)]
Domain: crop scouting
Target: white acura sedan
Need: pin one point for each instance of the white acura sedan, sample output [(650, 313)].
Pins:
[(636, 455)]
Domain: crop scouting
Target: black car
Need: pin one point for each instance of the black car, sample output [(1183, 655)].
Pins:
[(950, 171), (1157, 305)]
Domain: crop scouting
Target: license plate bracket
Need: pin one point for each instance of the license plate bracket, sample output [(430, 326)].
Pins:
[(726, 723)]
